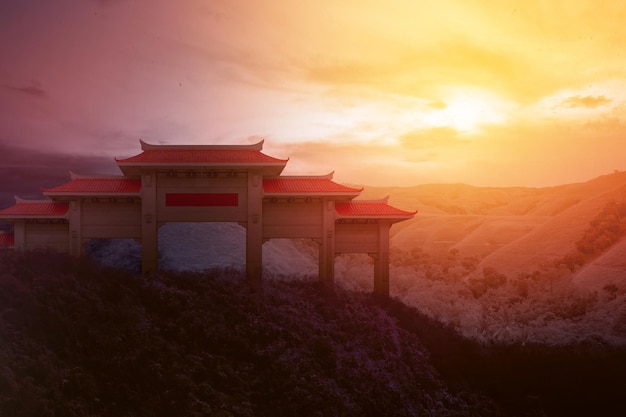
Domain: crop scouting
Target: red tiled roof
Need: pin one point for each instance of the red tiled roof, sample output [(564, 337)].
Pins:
[(305, 186), (201, 156), (7, 239), (98, 185), (35, 209), (371, 209)]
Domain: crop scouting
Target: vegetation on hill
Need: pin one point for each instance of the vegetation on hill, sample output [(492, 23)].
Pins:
[(520, 266), (604, 230), (78, 339), (489, 306)]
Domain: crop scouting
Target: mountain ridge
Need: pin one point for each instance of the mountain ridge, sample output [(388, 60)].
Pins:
[(513, 229)]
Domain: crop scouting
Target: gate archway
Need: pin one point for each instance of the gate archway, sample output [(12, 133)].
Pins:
[(211, 183)]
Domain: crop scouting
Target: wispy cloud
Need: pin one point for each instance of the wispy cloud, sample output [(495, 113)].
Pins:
[(24, 171), (107, 3), (590, 102), (434, 138), (34, 89)]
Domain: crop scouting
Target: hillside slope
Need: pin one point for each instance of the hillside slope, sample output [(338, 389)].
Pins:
[(514, 265), (79, 340), (557, 236), (514, 230), (607, 269)]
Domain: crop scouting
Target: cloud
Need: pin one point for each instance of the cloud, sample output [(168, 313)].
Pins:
[(421, 70), (604, 124), (33, 90), (376, 162), (590, 102), (524, 56), (107, 3), (25, 171), (432, 138), (437, 105)]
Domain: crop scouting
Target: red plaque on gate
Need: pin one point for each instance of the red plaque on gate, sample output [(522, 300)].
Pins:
[(202, 199)]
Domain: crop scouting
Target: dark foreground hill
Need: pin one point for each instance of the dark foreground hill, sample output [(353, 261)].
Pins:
[(77, 339), (80, 340)]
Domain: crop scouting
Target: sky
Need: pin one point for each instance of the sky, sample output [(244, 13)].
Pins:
[(401, 92)]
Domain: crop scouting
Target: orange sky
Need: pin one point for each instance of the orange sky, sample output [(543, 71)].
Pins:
[(384, 93)]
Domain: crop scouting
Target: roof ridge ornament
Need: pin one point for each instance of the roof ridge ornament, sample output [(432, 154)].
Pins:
[(328, 176), (145, 146), (384, 200), (377, 208), (19, 200), (75, 176)]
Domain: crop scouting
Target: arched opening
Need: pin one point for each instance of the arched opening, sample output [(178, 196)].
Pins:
[(355, 271), (285, 258), (198, 246), (118, 253)]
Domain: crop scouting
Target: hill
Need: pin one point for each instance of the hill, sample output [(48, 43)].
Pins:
[(79, 339), (484, 221), (512, 229), (518, 264)]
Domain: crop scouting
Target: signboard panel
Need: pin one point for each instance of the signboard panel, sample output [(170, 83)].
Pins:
[(201, 199)]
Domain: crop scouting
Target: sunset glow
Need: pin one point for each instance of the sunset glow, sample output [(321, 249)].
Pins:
[(466, 112), (487, 93)]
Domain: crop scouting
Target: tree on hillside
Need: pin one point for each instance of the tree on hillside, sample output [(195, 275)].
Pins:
[(605, 230), (491, 279)]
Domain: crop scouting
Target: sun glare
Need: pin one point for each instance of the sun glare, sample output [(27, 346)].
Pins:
[(466, 112)]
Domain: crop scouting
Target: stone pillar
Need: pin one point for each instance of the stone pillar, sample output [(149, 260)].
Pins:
[(75, 228), (19, 235), (254, 229), (381, 260), (327, 245), (149, 228)]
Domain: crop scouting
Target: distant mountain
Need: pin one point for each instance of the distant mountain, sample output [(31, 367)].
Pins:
[(511, 229), (516, 265), (609, 268)]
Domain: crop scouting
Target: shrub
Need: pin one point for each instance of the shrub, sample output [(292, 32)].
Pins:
[(490, 279)]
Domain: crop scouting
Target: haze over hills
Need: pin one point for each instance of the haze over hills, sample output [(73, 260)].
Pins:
[(511, 229), (540, 265), (515, 264)]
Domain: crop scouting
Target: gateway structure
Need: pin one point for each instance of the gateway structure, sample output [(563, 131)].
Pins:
[(208, 183)]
